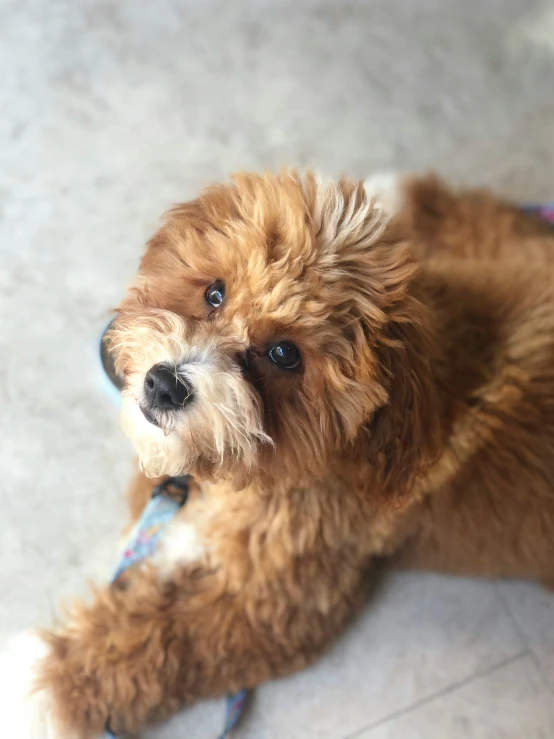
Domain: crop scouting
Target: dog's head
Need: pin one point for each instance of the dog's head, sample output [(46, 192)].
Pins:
[(274, 330)]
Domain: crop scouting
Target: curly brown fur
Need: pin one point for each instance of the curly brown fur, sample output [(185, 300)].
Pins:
[(420, 424)]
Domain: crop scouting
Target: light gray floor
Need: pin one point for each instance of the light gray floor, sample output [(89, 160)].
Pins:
[(110, 110)]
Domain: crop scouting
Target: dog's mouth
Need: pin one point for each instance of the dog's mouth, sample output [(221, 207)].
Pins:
[(150, 417)]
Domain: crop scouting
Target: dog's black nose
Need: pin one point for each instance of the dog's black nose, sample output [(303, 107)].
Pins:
[(164, 390)]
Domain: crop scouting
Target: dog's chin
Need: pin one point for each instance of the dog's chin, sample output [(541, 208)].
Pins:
[(196, 442), (160, 450)]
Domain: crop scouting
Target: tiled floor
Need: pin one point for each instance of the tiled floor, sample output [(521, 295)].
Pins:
[(505, 702), (430, 658), (532, 610)]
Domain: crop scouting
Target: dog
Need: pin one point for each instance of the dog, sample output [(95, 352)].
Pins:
[(351, 371)]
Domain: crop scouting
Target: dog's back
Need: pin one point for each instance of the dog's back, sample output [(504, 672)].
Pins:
[(489, 269)]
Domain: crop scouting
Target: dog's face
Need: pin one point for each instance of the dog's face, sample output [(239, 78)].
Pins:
[(257, 336)]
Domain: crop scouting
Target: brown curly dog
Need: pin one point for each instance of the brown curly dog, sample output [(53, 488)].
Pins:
[(350, 371)]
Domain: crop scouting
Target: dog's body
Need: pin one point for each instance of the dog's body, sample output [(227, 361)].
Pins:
[(373, 376), (488, 507)]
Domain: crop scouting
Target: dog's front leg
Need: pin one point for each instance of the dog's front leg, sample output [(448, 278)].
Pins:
[(136, 655)]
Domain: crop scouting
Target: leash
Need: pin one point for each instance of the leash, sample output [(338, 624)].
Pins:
[(166, 500), (545, 211)]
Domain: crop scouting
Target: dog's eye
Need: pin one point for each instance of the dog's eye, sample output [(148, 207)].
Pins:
[(285, 355), (215, 294)]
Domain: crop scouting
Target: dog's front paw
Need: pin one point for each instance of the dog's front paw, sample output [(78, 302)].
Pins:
[(25, 713)]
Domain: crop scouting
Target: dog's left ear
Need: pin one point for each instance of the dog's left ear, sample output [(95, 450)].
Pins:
[(367, 231), (404, 433)]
